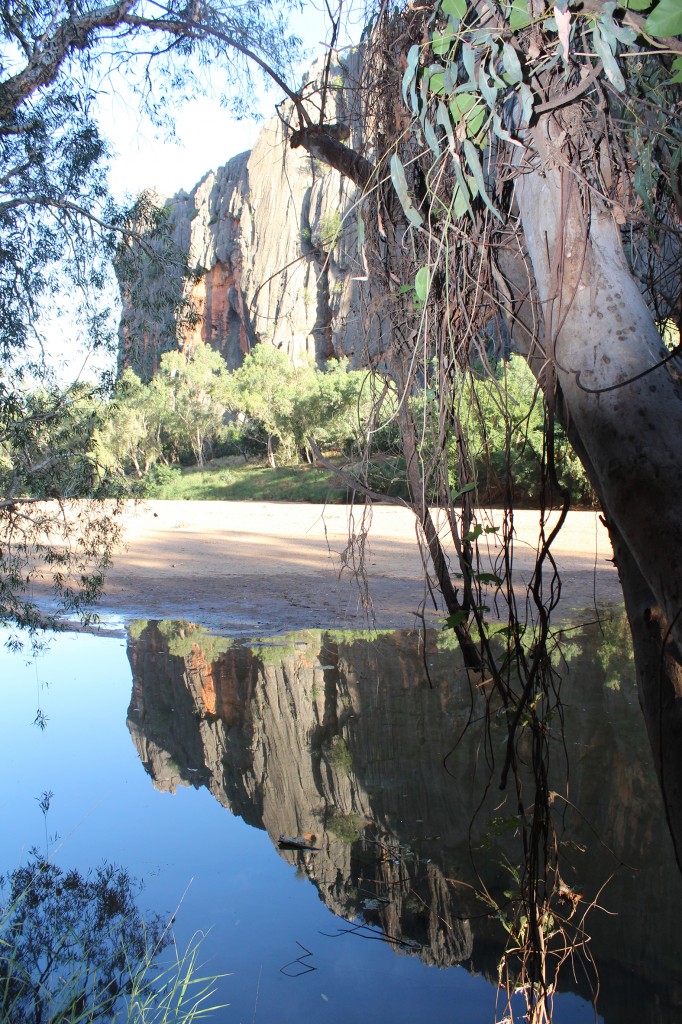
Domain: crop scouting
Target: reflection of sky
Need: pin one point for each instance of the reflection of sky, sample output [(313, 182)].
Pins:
[(241, 891)]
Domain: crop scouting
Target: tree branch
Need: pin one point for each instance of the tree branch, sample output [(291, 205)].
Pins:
[(42, 69), (319, 143), (180, 26), (352, 482)]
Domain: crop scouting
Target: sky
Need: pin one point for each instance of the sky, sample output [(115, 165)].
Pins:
[(207, 137)]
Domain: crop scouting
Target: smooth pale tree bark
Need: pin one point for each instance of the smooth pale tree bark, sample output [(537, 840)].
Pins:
[(622, 407)]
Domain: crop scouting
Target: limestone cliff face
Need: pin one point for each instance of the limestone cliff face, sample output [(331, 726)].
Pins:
[(272, 236), (346, 739)]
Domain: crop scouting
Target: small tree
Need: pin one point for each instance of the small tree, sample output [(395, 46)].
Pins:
[(48, 461), (266, 388), (332, 410), (197, 389), (129, 435)]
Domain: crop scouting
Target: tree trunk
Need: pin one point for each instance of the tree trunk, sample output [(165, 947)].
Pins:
[(623, 408), (658, 665)]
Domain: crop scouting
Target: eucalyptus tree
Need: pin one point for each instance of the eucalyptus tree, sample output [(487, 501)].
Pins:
[(520, 166), (128, 437), (267, 385), (193, 392), (523, 162)]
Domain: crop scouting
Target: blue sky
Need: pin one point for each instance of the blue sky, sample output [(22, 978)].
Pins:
[(206, 136)]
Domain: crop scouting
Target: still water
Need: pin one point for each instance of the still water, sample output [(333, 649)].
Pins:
[(184, 758)]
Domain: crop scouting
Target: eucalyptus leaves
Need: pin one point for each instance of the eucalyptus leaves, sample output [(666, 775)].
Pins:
[(483, 71)]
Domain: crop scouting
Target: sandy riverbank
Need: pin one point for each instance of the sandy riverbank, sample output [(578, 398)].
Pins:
[(245, 568)]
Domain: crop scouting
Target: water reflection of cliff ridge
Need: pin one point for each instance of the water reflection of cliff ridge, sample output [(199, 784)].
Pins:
[(347, 739)]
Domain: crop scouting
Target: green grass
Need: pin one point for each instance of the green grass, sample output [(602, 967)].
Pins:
[(258, 482), (252, 483)]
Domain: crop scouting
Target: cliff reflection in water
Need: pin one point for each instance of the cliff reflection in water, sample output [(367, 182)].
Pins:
[(345, 737)]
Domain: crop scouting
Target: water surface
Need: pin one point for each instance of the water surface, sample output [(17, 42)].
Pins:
[(185, 757)]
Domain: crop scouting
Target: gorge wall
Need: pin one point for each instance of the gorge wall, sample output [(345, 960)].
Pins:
[(272, 240), (343, 737)]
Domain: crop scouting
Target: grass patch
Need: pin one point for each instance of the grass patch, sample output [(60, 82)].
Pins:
[(75, 949), (250, 483), (346, 827)]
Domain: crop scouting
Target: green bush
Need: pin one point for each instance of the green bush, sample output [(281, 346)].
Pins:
[(161, 480), (503, 420)]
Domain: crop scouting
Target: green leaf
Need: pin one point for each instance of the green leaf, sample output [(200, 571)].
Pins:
[(665, 19), (441, 42), (461, 104), (501, 132), (469, 60), (474, 534), (474, 163), (488, 91), (422, 283), (462, 193), (512, 64), (400, 185), (409, 76), (603, 50), (518, 15), (527, 100), (636, 5), (623, 33), (460, 203), (677, 68), (431, 137), (466, 107), (464, 490), (443, 119), (450, 76), (488, 577), (455, 8), (455, 620), (436, 84)]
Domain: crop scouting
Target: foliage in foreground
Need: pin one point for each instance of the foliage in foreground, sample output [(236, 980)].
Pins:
[(74, 948)]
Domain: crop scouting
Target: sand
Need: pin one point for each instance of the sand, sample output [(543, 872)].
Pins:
[(247, 568)]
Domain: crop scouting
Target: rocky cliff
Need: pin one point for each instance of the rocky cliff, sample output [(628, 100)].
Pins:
[(272, 239), (346, 739)]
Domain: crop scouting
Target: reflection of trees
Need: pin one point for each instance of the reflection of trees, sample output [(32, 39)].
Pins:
[(71, 945), (345, 738), (615, 649), (183, 637)]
